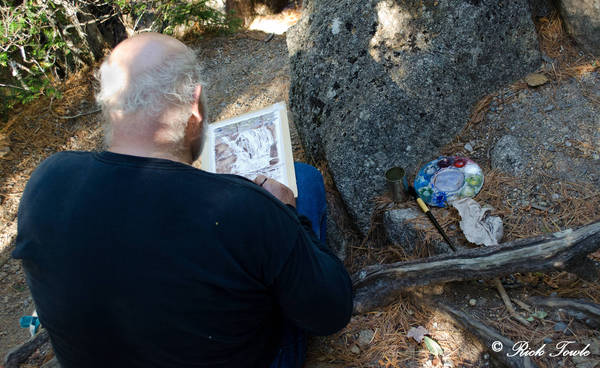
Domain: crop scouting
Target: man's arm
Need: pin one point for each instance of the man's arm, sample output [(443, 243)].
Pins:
[(313, 287)]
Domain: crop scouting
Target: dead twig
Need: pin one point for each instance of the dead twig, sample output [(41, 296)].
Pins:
[(81, 114), (507, 303)]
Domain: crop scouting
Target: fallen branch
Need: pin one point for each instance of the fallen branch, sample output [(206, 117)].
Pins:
[(379, 285), (18, 355)]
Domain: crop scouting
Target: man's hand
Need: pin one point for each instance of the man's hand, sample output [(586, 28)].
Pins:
[(280, 191)]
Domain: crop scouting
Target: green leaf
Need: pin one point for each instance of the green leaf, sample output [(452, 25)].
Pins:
[(539, 314), (530, 319), (433, 347)]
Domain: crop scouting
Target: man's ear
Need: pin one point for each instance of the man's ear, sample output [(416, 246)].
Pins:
[(197, 105)]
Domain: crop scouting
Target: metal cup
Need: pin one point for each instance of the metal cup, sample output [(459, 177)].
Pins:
[(396, 182)]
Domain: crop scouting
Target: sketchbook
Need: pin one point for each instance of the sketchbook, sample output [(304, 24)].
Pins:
[(256, 143)]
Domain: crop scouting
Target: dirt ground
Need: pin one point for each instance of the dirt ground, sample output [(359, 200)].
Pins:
[(245, 73)]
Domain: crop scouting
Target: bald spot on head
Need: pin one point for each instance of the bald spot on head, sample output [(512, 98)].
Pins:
[(144, 51)]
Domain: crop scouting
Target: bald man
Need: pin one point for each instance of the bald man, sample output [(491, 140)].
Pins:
[(137, 259)]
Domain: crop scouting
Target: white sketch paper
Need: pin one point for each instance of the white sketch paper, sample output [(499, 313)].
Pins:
[(253, 144)]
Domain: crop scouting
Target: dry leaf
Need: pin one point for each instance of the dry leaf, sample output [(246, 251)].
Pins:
[(417, 333)]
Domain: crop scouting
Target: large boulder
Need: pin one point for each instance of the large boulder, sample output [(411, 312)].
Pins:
[(382, 83), (582, 21)]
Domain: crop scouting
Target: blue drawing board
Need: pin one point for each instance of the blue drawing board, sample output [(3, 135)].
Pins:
[(448, 178)]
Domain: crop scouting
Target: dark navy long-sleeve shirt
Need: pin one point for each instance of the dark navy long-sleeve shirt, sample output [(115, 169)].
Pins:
[(144, 262)]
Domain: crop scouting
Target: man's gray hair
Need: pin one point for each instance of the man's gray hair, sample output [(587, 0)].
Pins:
[(167, 85)]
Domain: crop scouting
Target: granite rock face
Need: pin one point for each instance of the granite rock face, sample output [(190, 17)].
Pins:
[(582, 21), (382, 83)]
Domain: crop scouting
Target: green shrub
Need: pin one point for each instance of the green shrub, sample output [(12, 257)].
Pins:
[(44, 41)]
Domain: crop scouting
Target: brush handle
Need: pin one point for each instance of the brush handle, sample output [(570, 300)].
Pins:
[(441, 231), (423, 206), (426, 210)]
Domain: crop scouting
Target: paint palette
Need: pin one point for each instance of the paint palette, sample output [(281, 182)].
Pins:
[(448, 178)]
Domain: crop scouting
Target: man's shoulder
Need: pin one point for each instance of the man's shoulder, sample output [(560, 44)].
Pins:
[(248, 195), (65, 157), (63, 160)]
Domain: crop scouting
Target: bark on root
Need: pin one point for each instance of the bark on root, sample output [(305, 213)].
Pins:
[(379, 285)]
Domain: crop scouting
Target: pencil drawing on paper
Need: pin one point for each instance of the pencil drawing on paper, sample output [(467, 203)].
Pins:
[(250, 147)]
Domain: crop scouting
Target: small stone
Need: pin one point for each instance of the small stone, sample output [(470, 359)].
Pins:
[(580, 316), (536, 79), (596, 156), (486, 356), (568, 143), (548, 165), (469, 147), (335, 26), (560, 327), (472, 302), (553, 293), (365, 337), (547, 340), (555, 196), (549, 108), (354, 349)]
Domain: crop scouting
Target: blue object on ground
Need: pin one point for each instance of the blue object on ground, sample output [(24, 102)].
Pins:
[(31, 322)]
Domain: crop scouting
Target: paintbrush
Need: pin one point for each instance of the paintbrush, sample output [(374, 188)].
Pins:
[(411, 190)]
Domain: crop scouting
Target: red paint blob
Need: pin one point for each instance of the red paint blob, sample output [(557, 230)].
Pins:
[(459, 162)]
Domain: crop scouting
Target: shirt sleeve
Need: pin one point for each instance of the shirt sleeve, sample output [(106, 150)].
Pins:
[(313, 287)]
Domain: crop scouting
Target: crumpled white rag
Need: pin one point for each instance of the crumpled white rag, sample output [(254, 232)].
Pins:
[(478, 227)]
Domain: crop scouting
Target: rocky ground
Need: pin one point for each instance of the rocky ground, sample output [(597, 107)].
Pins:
[(550, 181)]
